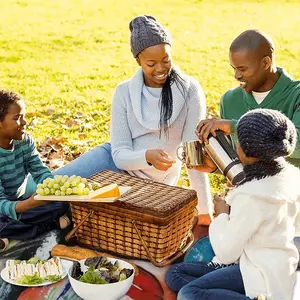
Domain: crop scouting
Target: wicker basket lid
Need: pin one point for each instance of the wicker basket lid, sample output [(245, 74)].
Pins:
[(146, 196)]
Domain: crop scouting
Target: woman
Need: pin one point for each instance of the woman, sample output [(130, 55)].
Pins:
[(152, 114), (258, 231)]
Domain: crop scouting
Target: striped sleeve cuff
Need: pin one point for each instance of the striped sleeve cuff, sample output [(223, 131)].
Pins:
[(8, 208)]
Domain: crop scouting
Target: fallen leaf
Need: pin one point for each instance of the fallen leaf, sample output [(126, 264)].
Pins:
[(79, 115), (50, 111), (33, 123), (45, 142), (70, 123), (59, 140), (83, 136), (56, 163)]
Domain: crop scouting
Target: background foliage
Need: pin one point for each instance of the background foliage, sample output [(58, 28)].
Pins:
[(66, 57)]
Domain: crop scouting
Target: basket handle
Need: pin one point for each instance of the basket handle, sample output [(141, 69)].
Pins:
[(168, 261), (73, 231)]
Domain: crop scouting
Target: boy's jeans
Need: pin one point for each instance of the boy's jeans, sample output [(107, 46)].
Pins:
[(33, 222), (209, 281)]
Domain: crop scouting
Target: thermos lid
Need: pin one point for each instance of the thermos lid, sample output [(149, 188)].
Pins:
[(239, 178)]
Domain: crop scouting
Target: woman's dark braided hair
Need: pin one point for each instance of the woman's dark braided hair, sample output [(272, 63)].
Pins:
[(7, 98), (166, 100)]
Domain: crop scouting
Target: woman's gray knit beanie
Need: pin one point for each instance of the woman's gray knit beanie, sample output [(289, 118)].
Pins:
[(146, 32)]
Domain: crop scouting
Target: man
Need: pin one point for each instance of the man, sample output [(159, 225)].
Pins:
[(262, 85)]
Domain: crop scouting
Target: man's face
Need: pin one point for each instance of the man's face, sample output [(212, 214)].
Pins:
[(14, 124), (249, 70), (156, 62)]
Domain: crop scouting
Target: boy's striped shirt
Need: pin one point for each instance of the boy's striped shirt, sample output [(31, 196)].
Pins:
[(15, 165)]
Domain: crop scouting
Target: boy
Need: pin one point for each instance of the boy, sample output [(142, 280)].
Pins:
[(21, 217)]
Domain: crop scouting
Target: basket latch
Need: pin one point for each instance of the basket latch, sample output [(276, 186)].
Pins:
[(74, 230)]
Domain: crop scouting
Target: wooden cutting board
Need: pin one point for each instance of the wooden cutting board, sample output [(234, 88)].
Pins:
[(85, 198)]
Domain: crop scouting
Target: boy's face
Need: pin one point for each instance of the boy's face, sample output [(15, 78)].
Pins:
[(14, 124)]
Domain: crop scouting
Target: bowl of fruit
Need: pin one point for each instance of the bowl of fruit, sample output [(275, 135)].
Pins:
[(101, 276), (76, 188)]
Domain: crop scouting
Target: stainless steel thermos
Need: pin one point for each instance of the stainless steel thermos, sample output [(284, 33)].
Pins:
[(226, 159)]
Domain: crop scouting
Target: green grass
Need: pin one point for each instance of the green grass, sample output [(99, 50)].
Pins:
[(69, 55)]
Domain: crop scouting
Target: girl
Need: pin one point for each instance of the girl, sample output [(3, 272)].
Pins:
[(259, 230)]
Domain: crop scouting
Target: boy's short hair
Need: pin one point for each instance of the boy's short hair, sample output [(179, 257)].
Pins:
[(7, 98)]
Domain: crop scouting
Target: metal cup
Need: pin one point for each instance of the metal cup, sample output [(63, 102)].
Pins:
[(191, 153)]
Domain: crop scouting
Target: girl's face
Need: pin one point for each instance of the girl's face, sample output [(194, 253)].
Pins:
[(13, 125), (245, 160), (156, 63)]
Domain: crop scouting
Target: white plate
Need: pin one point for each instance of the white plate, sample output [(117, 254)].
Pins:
[(65, 266), (77, 198)]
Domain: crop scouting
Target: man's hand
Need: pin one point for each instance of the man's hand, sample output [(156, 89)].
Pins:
[(207, 164), (159, 159), (205, 127), (220, 206), (29, 203)]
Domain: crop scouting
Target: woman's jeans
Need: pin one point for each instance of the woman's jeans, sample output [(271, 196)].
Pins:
[(89, 163), (206, 281)]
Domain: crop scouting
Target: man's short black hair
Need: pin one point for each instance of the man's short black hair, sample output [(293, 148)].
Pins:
[(7, 98), (254, 40)]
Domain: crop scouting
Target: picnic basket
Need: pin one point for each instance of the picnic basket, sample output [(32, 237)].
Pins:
[(151, 221)]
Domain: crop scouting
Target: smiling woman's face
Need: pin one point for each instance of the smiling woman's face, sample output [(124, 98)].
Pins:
[(156, 63)]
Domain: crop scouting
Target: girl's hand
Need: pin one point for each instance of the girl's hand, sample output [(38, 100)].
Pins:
[(220, 206), (159, 159)]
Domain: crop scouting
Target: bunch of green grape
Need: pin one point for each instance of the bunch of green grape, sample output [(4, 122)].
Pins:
[(65, 186)]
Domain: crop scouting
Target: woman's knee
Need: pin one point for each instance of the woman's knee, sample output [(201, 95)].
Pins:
[(91, 162)]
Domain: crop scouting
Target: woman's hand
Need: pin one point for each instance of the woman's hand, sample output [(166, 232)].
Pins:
[(159, 159), (220, 206), (205, 127)]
